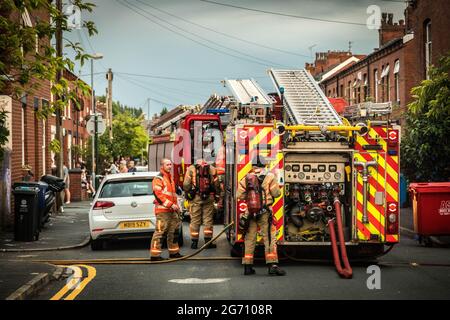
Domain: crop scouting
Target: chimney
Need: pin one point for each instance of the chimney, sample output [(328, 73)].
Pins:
[(390, 31)]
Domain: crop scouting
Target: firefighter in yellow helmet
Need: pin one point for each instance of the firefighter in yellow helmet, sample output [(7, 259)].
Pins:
[(259, 189), (201, 185)]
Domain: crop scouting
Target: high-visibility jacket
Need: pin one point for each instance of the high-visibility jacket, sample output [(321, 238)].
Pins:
[(165, 192)]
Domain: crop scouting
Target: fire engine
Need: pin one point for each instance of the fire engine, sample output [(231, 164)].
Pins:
[(333, 171)]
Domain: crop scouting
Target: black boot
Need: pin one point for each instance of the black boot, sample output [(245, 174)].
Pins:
[(194, 244), (176, 255), (248, 269), (157, 259), (211, 245), (275, 270)]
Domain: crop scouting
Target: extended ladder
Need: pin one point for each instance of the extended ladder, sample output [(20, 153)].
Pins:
[(304, 101)]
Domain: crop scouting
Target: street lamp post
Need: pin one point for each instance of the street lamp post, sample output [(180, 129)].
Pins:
[(96, 56)]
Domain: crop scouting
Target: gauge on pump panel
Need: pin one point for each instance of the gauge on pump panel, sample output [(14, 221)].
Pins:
[(301, 175), (322, 168), (306, 168), (327, 175), (296, 168), (332, 168), (288, 167), (337, 175)]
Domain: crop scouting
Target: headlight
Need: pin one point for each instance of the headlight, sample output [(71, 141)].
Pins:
[(337, 175), (327, 175)]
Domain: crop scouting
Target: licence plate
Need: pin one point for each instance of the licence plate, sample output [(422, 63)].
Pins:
[(134, 224)]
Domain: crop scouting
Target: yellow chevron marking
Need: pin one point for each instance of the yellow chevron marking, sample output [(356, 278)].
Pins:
[(244, 171), (373, 134), (392, 192), (280, 233), (395, 158), (369, 226), (392, 172), (361, 236)]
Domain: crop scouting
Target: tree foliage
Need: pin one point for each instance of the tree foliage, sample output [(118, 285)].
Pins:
[(27, 56), (129, 139), (425, 148)]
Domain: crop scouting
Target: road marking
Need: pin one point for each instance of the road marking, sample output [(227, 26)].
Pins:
[(76, 283), (199, 281)]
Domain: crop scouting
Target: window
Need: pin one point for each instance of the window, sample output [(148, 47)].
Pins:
[(133, 188), (375, 84), (365, 87), (428, 43), (397, 81), (349, 90)]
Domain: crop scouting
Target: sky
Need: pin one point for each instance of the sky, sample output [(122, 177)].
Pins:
[(178, 51)]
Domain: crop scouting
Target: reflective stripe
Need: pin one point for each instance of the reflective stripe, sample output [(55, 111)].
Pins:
[(249, 256), (167, 203), (175, 249), (156, 251), (194, 233), (208, 231)]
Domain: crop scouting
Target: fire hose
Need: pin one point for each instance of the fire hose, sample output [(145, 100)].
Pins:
[(141, 261), (347, 271)]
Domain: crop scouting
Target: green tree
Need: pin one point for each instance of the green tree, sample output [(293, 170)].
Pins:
[(425, 147), (163, 111), (130, 137), (26, 52)]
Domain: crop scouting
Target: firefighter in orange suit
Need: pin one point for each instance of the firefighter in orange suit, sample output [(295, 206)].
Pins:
[(167, 213), (269, 191), (201, 202)]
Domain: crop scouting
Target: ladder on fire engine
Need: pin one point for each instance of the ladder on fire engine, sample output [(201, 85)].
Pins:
[(304, 101), (251, 97)]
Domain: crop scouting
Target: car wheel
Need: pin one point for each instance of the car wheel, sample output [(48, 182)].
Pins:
[(98, 244)]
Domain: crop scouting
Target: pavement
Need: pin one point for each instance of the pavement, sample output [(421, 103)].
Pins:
[(22, 279)]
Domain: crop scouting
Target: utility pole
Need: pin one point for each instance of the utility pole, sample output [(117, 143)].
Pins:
[(109, 77), (148, 115), (59, 155)]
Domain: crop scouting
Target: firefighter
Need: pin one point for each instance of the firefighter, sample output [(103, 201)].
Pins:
[(201, 185), (167, 213), (259, 189)]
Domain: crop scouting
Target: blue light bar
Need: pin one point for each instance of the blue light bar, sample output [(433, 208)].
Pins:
[(217, 110)]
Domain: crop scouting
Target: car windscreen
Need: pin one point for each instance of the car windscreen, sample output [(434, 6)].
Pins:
[(127, 188)]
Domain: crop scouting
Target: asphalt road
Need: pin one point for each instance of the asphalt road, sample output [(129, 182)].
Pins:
[(409, 271)]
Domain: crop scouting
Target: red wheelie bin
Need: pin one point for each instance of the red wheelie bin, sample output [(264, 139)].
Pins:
[(431, 209)]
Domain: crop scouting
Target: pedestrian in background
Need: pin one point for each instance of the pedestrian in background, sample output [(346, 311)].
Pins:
[(167, 213), (66, 179), (123, 167), (131, 166)]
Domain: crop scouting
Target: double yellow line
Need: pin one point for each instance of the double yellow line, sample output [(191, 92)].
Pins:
[(76, 283)]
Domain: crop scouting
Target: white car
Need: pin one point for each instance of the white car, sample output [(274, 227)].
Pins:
[(123, 208)]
